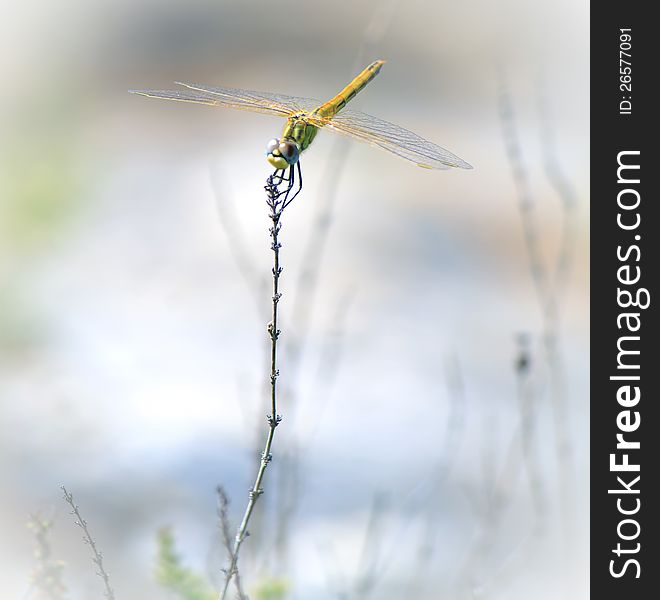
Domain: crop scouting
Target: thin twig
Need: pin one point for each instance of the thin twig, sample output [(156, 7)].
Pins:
[(277, 201), (527, 402), (524, 437), (520, 453), (97, 555), (367, 573), (549, 286), (223, 517), (309, 277), (568, 196), (564, 189), (365, 576), (256, 285), (523, 185), (454, 432)]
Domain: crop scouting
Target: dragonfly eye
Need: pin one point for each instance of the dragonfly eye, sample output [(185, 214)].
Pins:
[(289, 150), (274, 144), (282, 154)]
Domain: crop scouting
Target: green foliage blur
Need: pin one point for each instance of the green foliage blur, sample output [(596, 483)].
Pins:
[(183, 582), (186, 584)]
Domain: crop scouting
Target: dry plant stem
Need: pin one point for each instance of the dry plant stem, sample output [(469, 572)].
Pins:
[(276, 206), (453, 435), (368, 564), (97, 555), (223, 516), (521, 448), (528, 411), (567, 193), (569, 198), (547, 291), (308, 278)]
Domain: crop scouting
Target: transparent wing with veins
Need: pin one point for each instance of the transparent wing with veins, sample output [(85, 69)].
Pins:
[(278, 105), (355, 124), (394, 139)]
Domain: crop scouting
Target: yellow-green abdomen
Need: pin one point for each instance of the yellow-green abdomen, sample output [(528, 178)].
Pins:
[(300, 131), (333, 106)]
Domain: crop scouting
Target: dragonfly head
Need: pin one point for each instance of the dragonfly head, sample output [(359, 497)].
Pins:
[(282, 153)]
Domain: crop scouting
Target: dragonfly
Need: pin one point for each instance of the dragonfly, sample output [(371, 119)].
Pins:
[(305, 116)]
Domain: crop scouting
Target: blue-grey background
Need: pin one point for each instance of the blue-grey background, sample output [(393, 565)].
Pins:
[(133, 251)]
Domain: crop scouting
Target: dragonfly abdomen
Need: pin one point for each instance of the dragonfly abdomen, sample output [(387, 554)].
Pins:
[(333, 106)]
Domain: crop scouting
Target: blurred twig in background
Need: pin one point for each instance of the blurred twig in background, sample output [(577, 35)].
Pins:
[(369, 566), (527, 402), (567, 194), (223, 517), (549, 282), (485, 568), (329, 361), (255, 283), (381, 548), (314, 252), (46, 579), (97, 555), (452, 438), (523, 185)]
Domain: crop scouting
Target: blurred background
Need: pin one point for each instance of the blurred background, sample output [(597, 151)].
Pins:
[(434, 350)]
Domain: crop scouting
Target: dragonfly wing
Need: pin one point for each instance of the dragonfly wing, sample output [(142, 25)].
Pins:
[(261, 102), (395, 139)]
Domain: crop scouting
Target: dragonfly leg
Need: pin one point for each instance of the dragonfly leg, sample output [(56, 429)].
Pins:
[(288, 200), (278, 176), (282, 198)]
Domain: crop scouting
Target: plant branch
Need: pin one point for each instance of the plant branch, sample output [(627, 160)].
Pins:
[(223, 516), (277, 200), (97, 555)]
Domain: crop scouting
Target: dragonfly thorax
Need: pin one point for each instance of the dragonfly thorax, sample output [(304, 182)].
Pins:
[(296, 137)]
